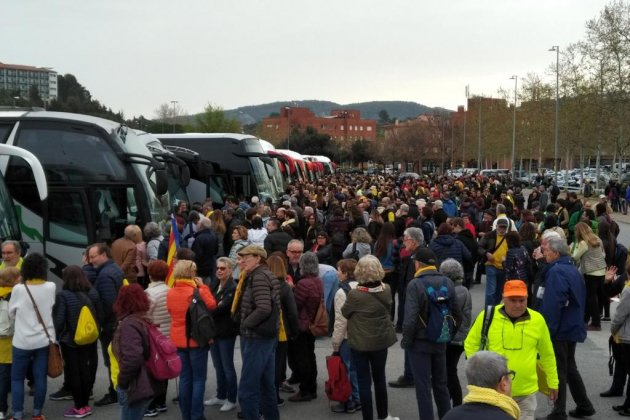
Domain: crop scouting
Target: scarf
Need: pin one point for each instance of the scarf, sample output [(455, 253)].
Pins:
[(237, 294), (477, 394)]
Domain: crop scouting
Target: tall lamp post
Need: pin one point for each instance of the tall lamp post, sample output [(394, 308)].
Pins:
[(288, 109), (174, 110), (556, 48), (515, 78)]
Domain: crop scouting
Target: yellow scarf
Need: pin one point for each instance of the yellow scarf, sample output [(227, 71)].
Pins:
[(477, 394), (238, 292), (423, 269)]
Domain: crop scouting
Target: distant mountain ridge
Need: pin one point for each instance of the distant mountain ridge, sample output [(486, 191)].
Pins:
[(400, 110)]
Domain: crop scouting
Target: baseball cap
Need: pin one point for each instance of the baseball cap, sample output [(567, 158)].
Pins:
[(426, 256), (515, 288)]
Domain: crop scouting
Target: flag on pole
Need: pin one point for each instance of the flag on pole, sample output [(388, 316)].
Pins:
[(467, 91), (173, 246)]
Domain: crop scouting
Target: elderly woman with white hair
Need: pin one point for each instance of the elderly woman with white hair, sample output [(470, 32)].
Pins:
[(370, 334), (308, 293), (452, 269), (360, 246)]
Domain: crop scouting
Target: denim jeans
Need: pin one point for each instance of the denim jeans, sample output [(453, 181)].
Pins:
[(222, 352), (38, 359), (133, 411), (428, 362), (5, 386), (346, 356), (495, 279), (257, 390), (370, 367), (192, 382)]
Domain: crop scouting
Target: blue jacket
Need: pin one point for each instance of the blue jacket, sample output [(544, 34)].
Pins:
[(446, 246), (449, 207), (66, 311), (563, 301), (108, 282)]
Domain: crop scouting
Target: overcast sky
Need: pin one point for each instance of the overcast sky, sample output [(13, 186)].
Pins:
[(134, 55)]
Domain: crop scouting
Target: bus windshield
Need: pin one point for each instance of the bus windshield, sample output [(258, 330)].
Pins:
[(159, 206), (263, 182), (9, 226)]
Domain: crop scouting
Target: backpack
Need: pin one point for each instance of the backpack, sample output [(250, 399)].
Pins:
[(319, 326), (337, 387), (164, 362), (355, 253), (199, 323), (87, 328), (6, 324), (440, 325)]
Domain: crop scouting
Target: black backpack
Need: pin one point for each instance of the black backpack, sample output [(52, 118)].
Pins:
[(199, 323)]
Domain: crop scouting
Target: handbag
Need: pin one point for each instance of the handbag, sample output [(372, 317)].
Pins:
[(55, 361)]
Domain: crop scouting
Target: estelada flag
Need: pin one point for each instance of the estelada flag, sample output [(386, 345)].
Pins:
[(173, 246)]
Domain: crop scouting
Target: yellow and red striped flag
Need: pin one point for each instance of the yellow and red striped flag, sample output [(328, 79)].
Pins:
[(173, 246)]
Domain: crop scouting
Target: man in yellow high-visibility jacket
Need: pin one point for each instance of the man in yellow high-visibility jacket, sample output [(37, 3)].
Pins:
[(520, 334)]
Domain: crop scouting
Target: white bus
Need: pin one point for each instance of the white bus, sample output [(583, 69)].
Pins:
[(100, 178)]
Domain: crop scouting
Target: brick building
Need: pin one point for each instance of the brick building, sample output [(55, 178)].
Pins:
[(342, 124)]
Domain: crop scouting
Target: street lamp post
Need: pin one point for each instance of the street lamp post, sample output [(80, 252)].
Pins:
[(174, 110), (556, 48), (515, 78), (288, 109)]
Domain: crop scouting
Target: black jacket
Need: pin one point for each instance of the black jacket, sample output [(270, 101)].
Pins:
[(66, 311), (108, 282), (205, 247), (222, 316), (277, 240), (477, 411)]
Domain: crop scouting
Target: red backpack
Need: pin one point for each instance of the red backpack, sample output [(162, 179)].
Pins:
[(338, 387), (163, 362)]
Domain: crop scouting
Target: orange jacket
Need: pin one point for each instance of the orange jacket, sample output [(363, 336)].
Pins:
[(177, 302)]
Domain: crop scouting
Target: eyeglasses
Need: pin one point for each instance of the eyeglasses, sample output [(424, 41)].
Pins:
[(510, 374), (294, 252)]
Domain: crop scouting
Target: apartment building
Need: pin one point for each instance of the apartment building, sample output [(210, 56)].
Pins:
[(18, 77)]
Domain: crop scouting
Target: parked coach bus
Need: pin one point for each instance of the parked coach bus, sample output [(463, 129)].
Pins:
[(250, 169), (100, 178)]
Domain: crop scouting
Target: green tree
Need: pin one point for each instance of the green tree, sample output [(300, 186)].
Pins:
[(360, 151), (383, 117), (33, 96), (213, 120)]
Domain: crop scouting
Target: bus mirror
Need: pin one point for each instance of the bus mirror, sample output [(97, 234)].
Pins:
[(184, 175), (267, 160), (161, 182)]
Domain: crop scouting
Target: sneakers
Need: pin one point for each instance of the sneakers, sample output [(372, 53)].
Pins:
[(401, 382), (161, 408), (577, 413), (299, 397), (77, 413), (214, 401), (2, 415), (353, 406), (339, 408), (285, 387), (228, 406), (280, 402), (62, 394), (390, 417), (151, 412), (106, 400)]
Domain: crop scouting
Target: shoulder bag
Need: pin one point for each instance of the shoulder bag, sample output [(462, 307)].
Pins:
[(55, 362)]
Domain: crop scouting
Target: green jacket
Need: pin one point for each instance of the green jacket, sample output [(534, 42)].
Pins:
[(520, 342)]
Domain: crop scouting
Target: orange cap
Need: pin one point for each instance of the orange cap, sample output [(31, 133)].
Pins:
[(515, 288)]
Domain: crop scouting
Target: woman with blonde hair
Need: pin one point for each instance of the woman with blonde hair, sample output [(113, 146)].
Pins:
[(588, 252), (289, 322), (370, 333), (194, 356), (219, 229), (360, 245)]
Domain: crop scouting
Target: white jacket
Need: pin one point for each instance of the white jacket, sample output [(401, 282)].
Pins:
[(257, 236), (340, 329), (156, 291), (29, 333)]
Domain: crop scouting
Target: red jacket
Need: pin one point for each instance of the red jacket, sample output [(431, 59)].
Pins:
[(177, 302)]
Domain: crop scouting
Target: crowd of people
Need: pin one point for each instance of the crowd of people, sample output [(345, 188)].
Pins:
[(391, 260)]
